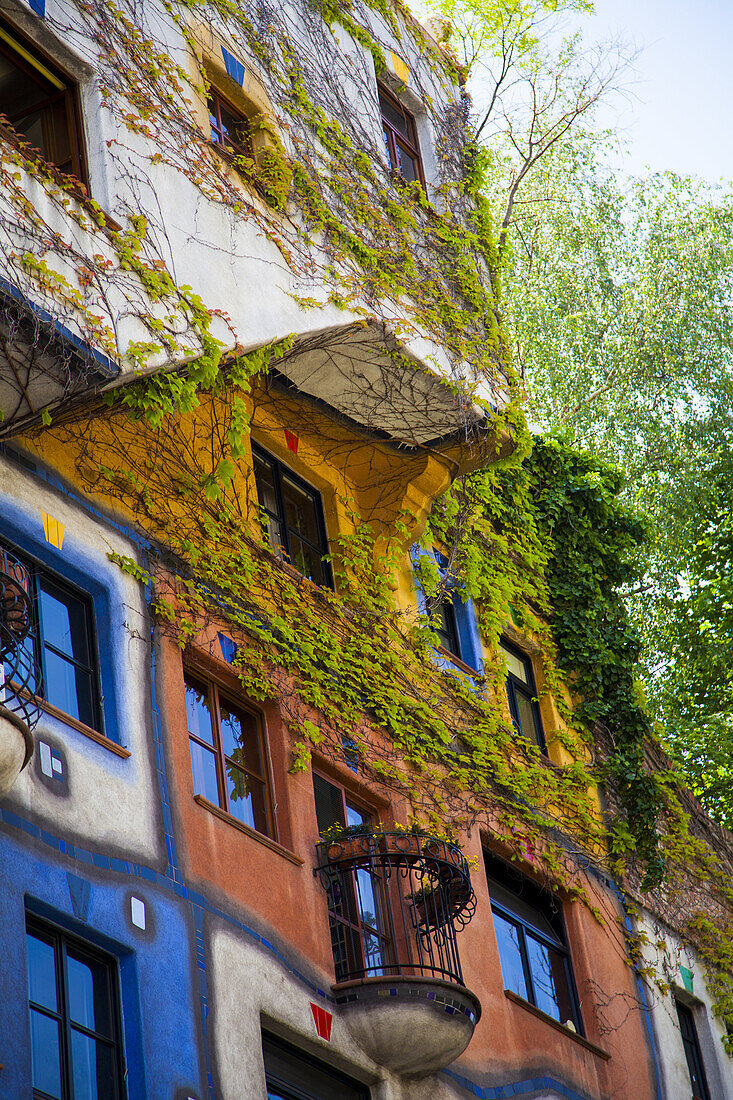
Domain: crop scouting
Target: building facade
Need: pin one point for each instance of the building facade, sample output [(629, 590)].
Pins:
[(283, 814)]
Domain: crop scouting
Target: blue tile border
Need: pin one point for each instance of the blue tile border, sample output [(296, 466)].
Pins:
[(517, 1088), (198, 902)]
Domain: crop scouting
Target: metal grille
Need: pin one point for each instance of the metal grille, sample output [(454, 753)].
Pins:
[(19, 672), (396, 901)]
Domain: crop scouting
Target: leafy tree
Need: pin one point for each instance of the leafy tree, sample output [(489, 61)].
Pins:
[(618, 306)]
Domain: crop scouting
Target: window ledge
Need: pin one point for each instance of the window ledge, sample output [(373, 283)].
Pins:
[(579, 1039), (80, 727), (459, 664), (260, 837)]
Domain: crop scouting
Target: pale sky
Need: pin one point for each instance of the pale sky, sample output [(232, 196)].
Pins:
[(679, 116)]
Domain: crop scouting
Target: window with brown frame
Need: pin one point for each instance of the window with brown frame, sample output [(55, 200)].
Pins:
[(359, 939), (39, 103), (230, 128), (400, 138), (228, 758)]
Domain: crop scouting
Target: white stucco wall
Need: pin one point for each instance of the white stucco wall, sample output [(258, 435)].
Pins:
[(101, 798), (667, 962)]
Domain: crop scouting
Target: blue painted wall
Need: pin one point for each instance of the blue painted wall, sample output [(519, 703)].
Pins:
[(158, 973)]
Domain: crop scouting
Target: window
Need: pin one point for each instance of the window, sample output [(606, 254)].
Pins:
[(40, 103), (535, 963), (521, 692), (228, 755), (229, 127), (75, 1033), (454, 621), (62, 641), (293, 517), (293, 1075), (400, 138), (360, 946), (693, 1055), (444, 624)]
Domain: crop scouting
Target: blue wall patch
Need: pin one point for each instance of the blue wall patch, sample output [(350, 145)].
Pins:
[(80, 893), (38, 6), (228, 648), (235, 69)]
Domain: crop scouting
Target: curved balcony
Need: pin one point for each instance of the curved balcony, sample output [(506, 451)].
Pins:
[(19, 675), (396, 902)]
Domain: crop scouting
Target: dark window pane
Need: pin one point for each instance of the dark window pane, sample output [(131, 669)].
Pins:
[(515, 665), (37, 102), (692, 1052), (88, 994), (240, 736), (203, 766), (247, 799), (306, 560), (198, 712), (291, 1074), (69, 688), (524, 902), (445, 627), (508, 941), (19, 92), (274, 535), (57, 138), (46, 1054), (265, 481), (396, 118), (92, 1068), (356, 816), (234, 130), (407, 167), (64, 619), (41, 972), (292, 518), (526, 716), (329, 804), (300, 511), (388, 146), (549, 980)]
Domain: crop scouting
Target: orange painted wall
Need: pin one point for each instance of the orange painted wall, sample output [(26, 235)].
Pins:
[(287, 905)]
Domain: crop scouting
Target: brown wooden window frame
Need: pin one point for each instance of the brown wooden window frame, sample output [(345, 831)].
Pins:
[(33, 61), (227, 145), (395, 140), (215, 695), (350, 932)]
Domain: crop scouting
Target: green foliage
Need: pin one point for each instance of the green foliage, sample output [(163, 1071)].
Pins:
[(621, 313)]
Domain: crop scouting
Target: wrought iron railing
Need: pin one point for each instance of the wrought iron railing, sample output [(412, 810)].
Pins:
[(396, 901), (19, 672)]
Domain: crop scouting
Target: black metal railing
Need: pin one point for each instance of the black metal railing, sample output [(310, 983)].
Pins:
[(19, 672), (396, 901)]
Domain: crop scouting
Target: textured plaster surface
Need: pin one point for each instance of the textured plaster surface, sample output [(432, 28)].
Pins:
[(672, 1062), (102, 798)]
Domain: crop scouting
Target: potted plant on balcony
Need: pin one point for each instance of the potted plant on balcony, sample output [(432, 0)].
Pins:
[(348, 841), (429, 905)]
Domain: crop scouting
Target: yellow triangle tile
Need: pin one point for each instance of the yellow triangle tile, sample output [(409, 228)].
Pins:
[(53, 530), (399, 68)]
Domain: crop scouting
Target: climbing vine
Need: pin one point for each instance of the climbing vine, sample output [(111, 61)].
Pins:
[(536, 538)]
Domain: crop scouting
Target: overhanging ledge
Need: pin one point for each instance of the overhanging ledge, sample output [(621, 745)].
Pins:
[(361, 372)]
